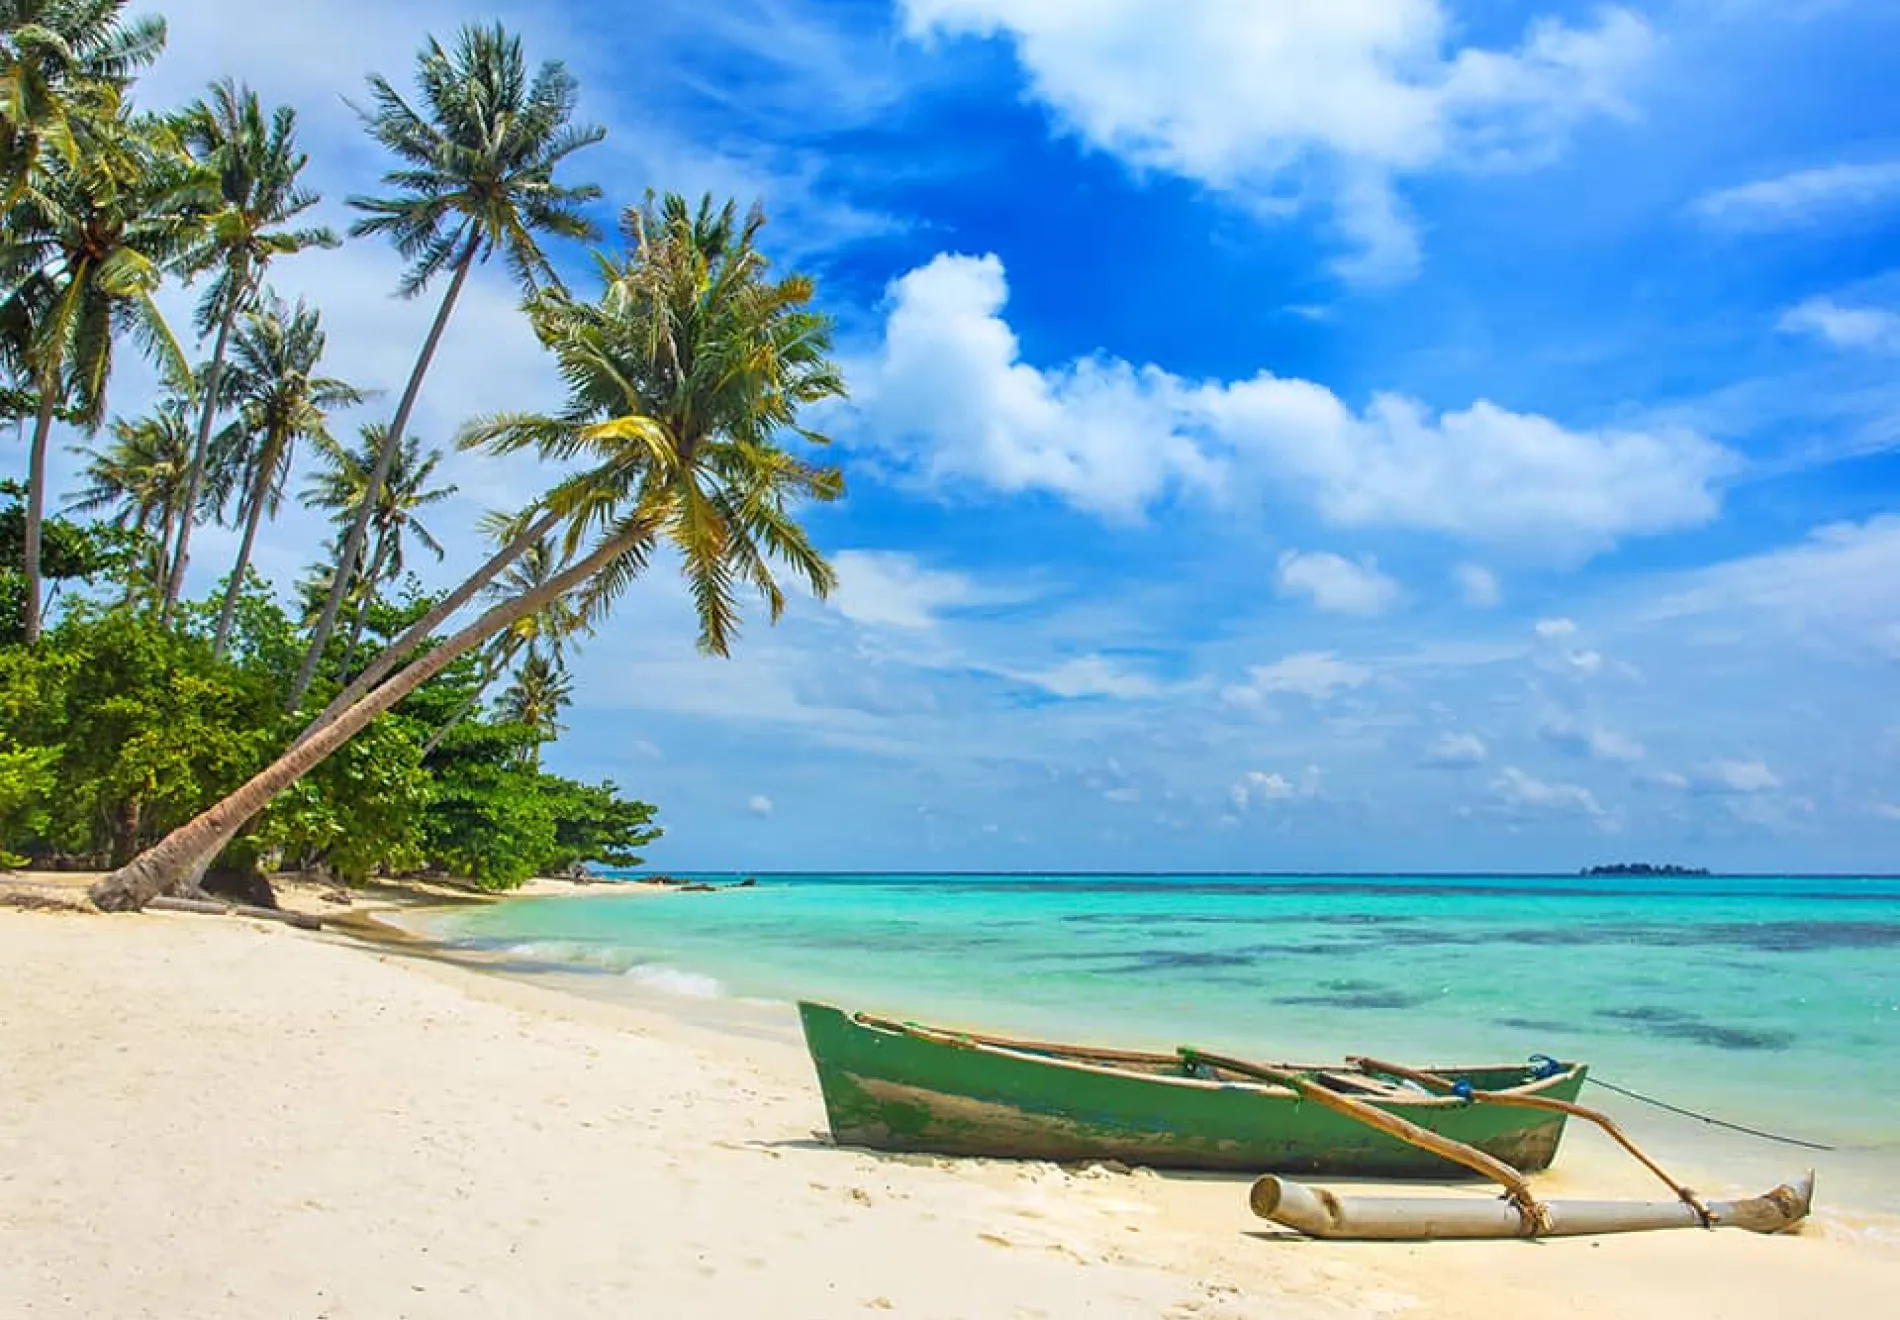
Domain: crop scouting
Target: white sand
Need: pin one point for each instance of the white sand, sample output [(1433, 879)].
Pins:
[(212, 1117)]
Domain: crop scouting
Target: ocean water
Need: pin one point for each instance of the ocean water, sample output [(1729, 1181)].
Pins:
[(1768, 1001)]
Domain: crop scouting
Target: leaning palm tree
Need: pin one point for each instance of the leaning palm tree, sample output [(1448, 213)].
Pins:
[(341, 485), (549, 628), (81, 256), (257, 164), (64, 65), (541, 690), (477, 177), (686, 377), (280, 399), (140, 477)]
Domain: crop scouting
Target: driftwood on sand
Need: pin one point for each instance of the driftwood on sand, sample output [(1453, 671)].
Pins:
[(213, 908), (1319, 1213)]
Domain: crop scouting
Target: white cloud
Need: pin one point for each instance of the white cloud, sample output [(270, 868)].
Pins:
[(1750, 776), (759, 805), (1271, 102), (949, 393), (1520, 791), (1802, 197), (650, 750), (1483, 474), (1841, 583), (1478, 585), (1558, 655), (1577, 738), (888, 588), (1455, 750), (1316, 675), (1092, 676), (1260, 788), (1886, 810), (1844, 327), (947, 396), (1336, 584)]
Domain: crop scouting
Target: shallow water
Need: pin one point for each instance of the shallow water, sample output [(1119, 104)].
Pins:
[(1772, 1002)]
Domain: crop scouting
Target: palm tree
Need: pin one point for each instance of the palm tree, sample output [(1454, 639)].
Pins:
[(257, 165), (280, 399), (81, 256), (63, 66), (141, 477), (341, 485), (477, 178), (685, 377), (540, 692)]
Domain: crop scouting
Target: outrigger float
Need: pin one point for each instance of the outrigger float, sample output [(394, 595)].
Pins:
[(905, 1086)]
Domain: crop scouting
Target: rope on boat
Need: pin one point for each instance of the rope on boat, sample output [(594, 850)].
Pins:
[(1690, 1113)]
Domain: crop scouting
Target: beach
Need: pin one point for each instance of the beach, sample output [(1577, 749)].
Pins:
[(224, 1117)]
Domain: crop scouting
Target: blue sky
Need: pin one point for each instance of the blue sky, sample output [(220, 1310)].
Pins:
[(1364, 434)]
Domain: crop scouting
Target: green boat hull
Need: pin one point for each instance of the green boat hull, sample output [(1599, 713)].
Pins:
[(902, 1090)]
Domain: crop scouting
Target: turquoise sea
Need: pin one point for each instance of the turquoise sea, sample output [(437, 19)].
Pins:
[(1768, 1001)]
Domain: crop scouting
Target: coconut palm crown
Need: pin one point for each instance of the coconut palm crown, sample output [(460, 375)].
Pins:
[(478, 159), (684, 376)]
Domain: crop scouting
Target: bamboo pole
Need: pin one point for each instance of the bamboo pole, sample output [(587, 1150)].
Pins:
[(1444, 1086), (1324, 1214), (1513, 1182)]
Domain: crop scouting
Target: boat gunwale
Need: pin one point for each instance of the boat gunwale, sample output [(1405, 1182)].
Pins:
[(1034, 1052)]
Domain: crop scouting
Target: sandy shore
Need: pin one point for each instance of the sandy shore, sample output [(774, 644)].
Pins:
[(218, 1117)]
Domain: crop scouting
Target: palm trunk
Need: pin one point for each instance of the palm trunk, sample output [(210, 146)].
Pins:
[(454, 722), (422, 629), (125, 831), (161, 562), (180, 857), (194, 478), (392, 441), (377, 563), (35, 514), (260, 492), (132, 579)]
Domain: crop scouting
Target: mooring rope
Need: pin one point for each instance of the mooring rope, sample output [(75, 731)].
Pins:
[(1690, 1113)]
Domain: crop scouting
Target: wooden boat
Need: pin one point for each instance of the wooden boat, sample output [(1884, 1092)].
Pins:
[(905, 1087)]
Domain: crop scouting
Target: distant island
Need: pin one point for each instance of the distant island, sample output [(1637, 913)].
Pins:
[(1644, 868)]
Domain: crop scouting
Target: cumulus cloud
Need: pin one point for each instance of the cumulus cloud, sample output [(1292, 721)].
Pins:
[(1092, 676), (1802, 197), (1875, 328), (1739, 776), (1336, 584), (1559, 654), (1315, 675), (1478, 585), (1258, 789), (1520, 791), (947, 397), (759, 805), (948, 392), (1578, 738), (1452, 751), (1271, 103)]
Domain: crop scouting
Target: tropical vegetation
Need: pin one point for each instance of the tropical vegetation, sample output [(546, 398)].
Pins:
[(378, 726)]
